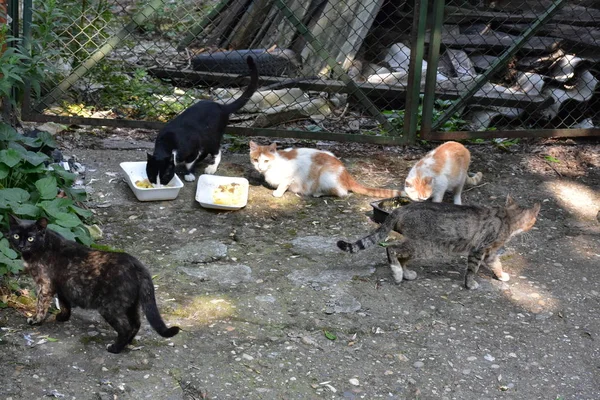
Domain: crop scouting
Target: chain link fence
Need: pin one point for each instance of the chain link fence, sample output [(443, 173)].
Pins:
[(329, 69)]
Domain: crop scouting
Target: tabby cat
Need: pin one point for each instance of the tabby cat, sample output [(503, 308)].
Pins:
[(308, 172), (430, 229), (443, 169), (193, 135), (115, 284)]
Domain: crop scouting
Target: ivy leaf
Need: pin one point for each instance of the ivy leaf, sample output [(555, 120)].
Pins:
[(82, 212), (4, 170), (8, 133), (35, 158), (13, 195), (6, 250), (47, 187), (329, 335), (46, 139), (10, 157), (13, 266), (56, 206), (67, 220), (26, 210), (64, 232)]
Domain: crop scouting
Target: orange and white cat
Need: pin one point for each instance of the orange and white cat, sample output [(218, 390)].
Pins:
[(443, 169), (308, 172)]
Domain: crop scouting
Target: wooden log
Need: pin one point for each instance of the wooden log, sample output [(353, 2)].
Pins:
[(573, 37), (282, 33), (569, 14), (498, 42), (250, 23), (341, 28), (223, 24), (390, 94)]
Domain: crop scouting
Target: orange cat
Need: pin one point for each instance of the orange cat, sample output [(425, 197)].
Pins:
[(442, 169), (308, 172)]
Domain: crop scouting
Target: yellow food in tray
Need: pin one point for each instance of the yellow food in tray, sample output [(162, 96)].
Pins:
[(144, 183), (228, 195)]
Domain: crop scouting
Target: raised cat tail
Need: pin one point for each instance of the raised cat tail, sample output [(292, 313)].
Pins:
[(377, 236), (243, 99), (148, 301), (473, 179), (354, 186)]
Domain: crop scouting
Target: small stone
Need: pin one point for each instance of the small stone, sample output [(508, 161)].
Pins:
[(247, 357), (354, 382), (489, 357), (402, 357), (419, 364), (471, 358), (466, 371)]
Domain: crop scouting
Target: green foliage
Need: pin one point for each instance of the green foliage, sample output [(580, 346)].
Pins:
[(71, 29), (18, 66), (551, 159), (171, 20), (455, 123), (134, 94), (329, 335), (29, 189)]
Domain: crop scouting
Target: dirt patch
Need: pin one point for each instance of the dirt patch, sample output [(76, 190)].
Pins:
[(271, 309)]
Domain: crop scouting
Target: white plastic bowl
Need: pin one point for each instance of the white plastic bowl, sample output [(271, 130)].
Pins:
[(136, 170), (207, 185)]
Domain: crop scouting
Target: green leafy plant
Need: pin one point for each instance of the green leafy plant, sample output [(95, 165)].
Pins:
[(29, 189), (329, 335), (455, 123), (551, 159)]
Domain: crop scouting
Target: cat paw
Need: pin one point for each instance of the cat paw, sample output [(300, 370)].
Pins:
[(34, 321), (277, 193), (471, 285), (189, 177), (504, 277), (211, 169), (113, 348), (410, 275)]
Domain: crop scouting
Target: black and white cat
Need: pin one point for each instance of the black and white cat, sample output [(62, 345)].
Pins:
[(194, 134)]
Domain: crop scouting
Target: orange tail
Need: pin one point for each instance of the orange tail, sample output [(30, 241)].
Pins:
[(352, 185)]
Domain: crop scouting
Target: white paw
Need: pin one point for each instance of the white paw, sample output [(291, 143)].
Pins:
[(189, 177), (277, 193), (472, 285), (505, 277), (410, 275), (211, 169)]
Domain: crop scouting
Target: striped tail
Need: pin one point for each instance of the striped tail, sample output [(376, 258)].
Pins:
[(354, 186), (376, 237), (473, 179)]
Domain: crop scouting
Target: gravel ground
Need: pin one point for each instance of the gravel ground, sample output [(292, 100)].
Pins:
[(270, 309)]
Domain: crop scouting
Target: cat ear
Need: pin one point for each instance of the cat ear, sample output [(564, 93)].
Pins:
[(509, 201), (273, 147), (12, 220), (252, 145), (42, 223), (428, 180)]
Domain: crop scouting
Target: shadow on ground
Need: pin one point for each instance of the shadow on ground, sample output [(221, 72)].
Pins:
[(272, 310)]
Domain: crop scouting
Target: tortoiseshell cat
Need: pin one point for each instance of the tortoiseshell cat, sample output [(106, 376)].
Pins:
[(431, 229), (115, 284)]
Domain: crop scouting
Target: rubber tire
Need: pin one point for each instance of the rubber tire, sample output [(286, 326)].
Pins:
[(234, 62)]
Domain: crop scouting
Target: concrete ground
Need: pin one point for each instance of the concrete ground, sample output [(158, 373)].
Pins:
[(271, 309)]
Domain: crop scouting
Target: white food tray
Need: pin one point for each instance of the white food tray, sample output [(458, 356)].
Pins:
[(207, 184), (136, 170)]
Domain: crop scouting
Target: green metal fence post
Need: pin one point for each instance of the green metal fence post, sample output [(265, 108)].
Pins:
[(415, 70), (432, 67), (496, 65)]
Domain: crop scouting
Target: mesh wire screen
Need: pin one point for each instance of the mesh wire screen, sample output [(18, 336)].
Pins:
[(552, 81), (327, 65)]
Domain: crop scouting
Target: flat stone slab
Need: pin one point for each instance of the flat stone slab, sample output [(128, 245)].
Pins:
[(224, 274), (201, 252)]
